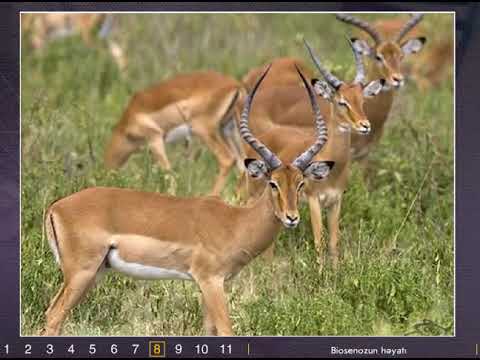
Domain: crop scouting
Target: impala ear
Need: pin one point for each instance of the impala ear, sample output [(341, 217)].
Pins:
[(413, 46), (373, 88), (361, 46), (256, 168), (318, 170), (322, 89)]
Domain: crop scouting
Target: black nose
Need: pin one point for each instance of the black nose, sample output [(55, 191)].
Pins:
[(292, 219)]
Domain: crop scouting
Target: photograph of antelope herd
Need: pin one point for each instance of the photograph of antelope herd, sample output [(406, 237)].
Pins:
[(294, 170)]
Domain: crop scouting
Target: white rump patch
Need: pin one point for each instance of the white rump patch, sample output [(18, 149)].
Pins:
[(141, 271), (178, 133)]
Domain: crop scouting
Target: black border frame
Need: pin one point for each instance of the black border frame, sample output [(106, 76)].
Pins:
[(467, 179)]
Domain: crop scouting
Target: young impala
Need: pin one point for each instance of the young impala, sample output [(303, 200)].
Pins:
[(197, 103), (276, 118), (386, 56), (155, 236)]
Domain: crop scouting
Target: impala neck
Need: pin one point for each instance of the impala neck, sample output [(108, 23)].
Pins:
[(378, 107), (262, 224), (339, 125)]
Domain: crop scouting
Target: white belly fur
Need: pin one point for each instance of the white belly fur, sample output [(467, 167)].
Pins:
[(141, 271), (178, 133)]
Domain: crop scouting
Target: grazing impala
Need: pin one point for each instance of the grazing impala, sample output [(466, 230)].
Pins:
[(386, 58), (197, 103), (341, 105), (47, 26), (155, 236)]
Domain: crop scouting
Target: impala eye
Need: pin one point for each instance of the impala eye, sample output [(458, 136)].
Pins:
[(378, 57), (343, 103), (273, 185)]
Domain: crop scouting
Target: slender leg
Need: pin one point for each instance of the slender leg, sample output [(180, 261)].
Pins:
[(317, 226), (216, 305), (70, 296), (55, 298), (333, 226), (208, 323), (157, 145), (224, 158)]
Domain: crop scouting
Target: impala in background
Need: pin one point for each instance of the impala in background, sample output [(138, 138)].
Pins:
[(385, 60), (199, 103), (280, 119), (46, 27)]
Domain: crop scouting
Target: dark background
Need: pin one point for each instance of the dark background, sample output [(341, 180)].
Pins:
[(467, 179)]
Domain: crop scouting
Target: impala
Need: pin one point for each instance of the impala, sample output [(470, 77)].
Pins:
[(386, 56), (434, 65), (282, 73), (198, 103), (155, 236), (48, 26), (341, 105)]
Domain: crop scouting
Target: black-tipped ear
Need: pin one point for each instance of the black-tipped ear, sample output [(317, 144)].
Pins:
[(313, 81), (373, 88), (246, 162), (322, 89), (330, 164), (413, 46), (256, 168), (318, 170), (361, 46)]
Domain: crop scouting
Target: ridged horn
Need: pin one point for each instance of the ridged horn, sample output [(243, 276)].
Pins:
[(304, 159), (409, 25), (360, 76), (267, 155), (331, 79), (349, 19)]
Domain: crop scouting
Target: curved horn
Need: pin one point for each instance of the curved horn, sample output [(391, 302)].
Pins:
[(331, 79), (304, 159), (267, 155), (359, 65), (348, 19), (409, 25)]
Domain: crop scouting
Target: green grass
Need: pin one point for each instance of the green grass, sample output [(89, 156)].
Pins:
[(396, 274)]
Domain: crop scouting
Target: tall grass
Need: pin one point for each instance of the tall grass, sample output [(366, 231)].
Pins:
[(396, 274)]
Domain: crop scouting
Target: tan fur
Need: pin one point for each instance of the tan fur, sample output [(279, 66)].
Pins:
[(282, 73), (276, 119), (378, 108), (204, 238), (199, 99)]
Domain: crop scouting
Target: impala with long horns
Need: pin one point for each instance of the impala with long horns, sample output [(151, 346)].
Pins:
[(386, 56), (341, 105), (155, 236), (197, 103)]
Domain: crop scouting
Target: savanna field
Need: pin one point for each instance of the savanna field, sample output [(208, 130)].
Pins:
[(396, 273)]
